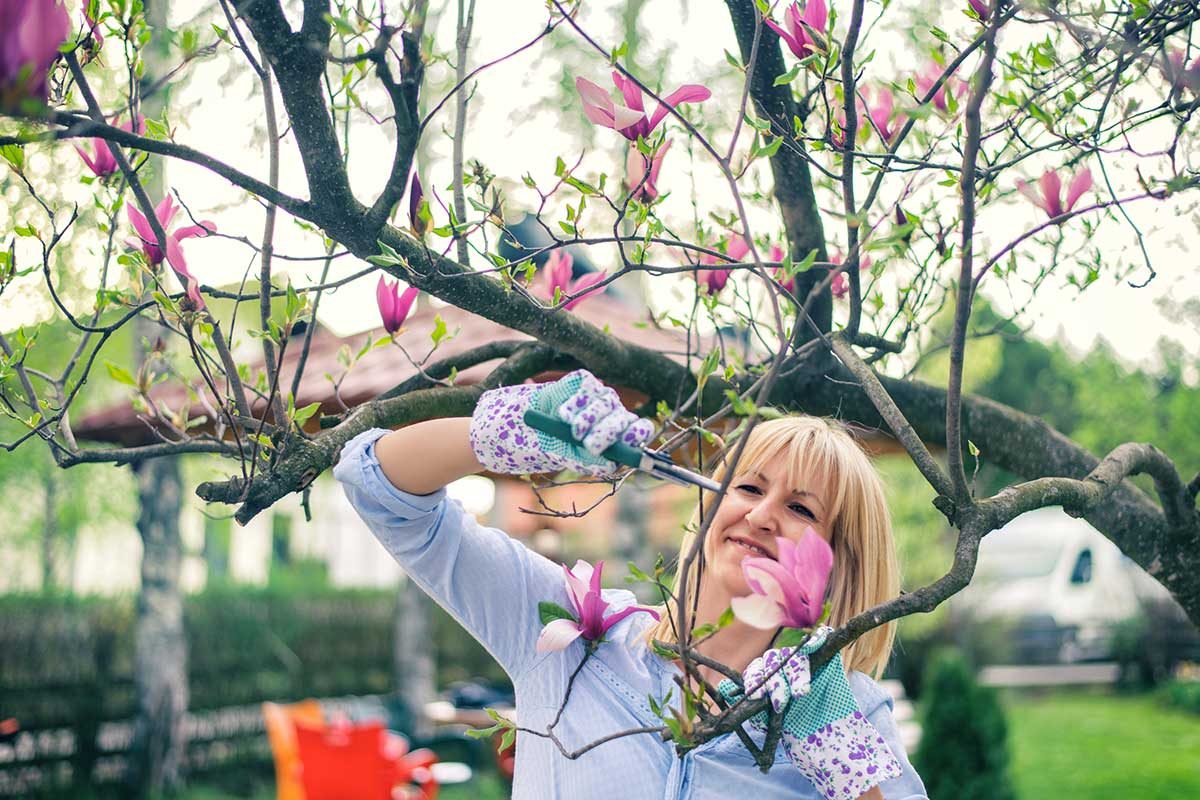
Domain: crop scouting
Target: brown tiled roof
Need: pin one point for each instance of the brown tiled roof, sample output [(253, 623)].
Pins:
[(382, 367)]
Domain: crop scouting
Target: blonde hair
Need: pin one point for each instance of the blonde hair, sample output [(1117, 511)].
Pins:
[(865, 570)]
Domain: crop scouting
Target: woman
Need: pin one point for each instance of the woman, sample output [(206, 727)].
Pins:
[(796, 474)]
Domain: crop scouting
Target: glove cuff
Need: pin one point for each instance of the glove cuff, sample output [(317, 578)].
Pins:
[(843, 759), (499, 437)]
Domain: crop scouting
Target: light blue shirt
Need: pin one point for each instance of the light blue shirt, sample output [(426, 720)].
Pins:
[(492, 584)]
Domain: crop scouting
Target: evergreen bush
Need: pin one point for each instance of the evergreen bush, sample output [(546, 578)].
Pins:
[(963, 754)]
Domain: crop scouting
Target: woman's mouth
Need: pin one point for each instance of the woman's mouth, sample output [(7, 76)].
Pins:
[(750, 547)]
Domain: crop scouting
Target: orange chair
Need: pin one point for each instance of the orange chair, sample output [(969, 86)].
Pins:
[(281, 732), (362, 761)]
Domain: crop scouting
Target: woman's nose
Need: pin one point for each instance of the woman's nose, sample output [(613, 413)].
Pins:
[(761, 516)]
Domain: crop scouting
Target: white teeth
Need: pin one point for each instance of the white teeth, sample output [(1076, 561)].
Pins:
[(753, 548)]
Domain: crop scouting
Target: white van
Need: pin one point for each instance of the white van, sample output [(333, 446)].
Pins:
[(1059, 583)]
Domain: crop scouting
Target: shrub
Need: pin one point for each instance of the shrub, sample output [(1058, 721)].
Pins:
[(963, 754)]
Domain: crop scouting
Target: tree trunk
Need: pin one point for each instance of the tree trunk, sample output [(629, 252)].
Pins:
[(160, 654), (414, 656), (49, 529)]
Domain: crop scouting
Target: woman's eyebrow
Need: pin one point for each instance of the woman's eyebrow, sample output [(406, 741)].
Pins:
[(799, 492)]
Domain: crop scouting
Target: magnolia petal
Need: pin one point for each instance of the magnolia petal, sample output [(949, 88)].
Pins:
[(625, 117), (630, 91), (1051, 186), (1030, 193), (816, 14), (766, 577), (688, 93), (404, 304), (557, 634), (141, 225), (579, 288), (614, 618), (166, 210), (577, 579), (189, 231), (757, 611), (787, 36), (1079, 184), (385, 299), (738, 248), (87, 159)]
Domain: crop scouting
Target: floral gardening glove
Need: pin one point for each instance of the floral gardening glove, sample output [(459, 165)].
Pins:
[(825, 734), (503, 443)]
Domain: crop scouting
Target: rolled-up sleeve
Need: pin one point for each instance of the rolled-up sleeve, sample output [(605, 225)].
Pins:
[(877, 705), (486, 580)]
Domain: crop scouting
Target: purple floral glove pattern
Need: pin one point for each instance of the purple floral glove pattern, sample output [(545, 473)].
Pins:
[(825, 735), (503, 443)]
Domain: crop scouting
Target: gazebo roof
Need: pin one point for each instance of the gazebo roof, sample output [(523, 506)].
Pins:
[(379, 369)]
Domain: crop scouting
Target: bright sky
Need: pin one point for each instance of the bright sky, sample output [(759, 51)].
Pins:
[(511, 139)]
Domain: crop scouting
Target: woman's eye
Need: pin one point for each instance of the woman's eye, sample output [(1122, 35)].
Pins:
[(748, 487), (801, 509)]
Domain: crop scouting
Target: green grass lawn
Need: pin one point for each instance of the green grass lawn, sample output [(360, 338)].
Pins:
[(1096, 746)]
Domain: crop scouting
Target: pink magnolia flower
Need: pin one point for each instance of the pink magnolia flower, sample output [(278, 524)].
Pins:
[(394, 305), (883, 115), (101, 161), (30, 33), (981, 7), (165, 212), (928, 76), (840, 286), (556, 275), (1048, 195), (789, 592), (629, 118), (592, 621), (1181, 77), (713, 280), (643, 186), (786, 282), (804, 29)]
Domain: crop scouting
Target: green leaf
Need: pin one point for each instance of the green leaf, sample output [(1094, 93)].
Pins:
[(788, 76), (439, 329), (548, 612), (507, 739), (120, 374), (302, 415), (14, 154), (972, 448)]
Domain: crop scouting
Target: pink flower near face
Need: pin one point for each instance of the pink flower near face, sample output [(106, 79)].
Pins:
[(592, 620), (789, 592), (394, 305), (101, 161), (803, 30), (1048, 195), (629, 116), (556, 275), (148, 243), (30, 34), (643, 186)]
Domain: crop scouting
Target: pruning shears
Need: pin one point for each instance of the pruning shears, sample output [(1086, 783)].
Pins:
[(657, 464)]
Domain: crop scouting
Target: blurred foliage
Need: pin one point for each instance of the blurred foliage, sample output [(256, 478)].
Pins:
[(963, 753)]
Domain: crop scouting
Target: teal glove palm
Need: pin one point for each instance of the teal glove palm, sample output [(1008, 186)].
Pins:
[(503, 443), (825, 734)]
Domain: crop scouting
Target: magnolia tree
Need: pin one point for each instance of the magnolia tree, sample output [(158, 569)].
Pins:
[(894, 190)]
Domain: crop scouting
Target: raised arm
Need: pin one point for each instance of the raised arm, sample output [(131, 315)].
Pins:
[(422, 458)]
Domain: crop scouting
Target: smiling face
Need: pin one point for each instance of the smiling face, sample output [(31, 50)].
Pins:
[(764, 503)]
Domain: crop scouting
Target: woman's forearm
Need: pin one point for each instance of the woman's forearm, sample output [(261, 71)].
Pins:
[(423, 457)]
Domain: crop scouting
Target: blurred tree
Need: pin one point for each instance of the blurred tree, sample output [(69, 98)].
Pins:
[(963, 753)]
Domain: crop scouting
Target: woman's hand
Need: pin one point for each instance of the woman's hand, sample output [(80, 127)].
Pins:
[(825, 735), (503, 443)]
